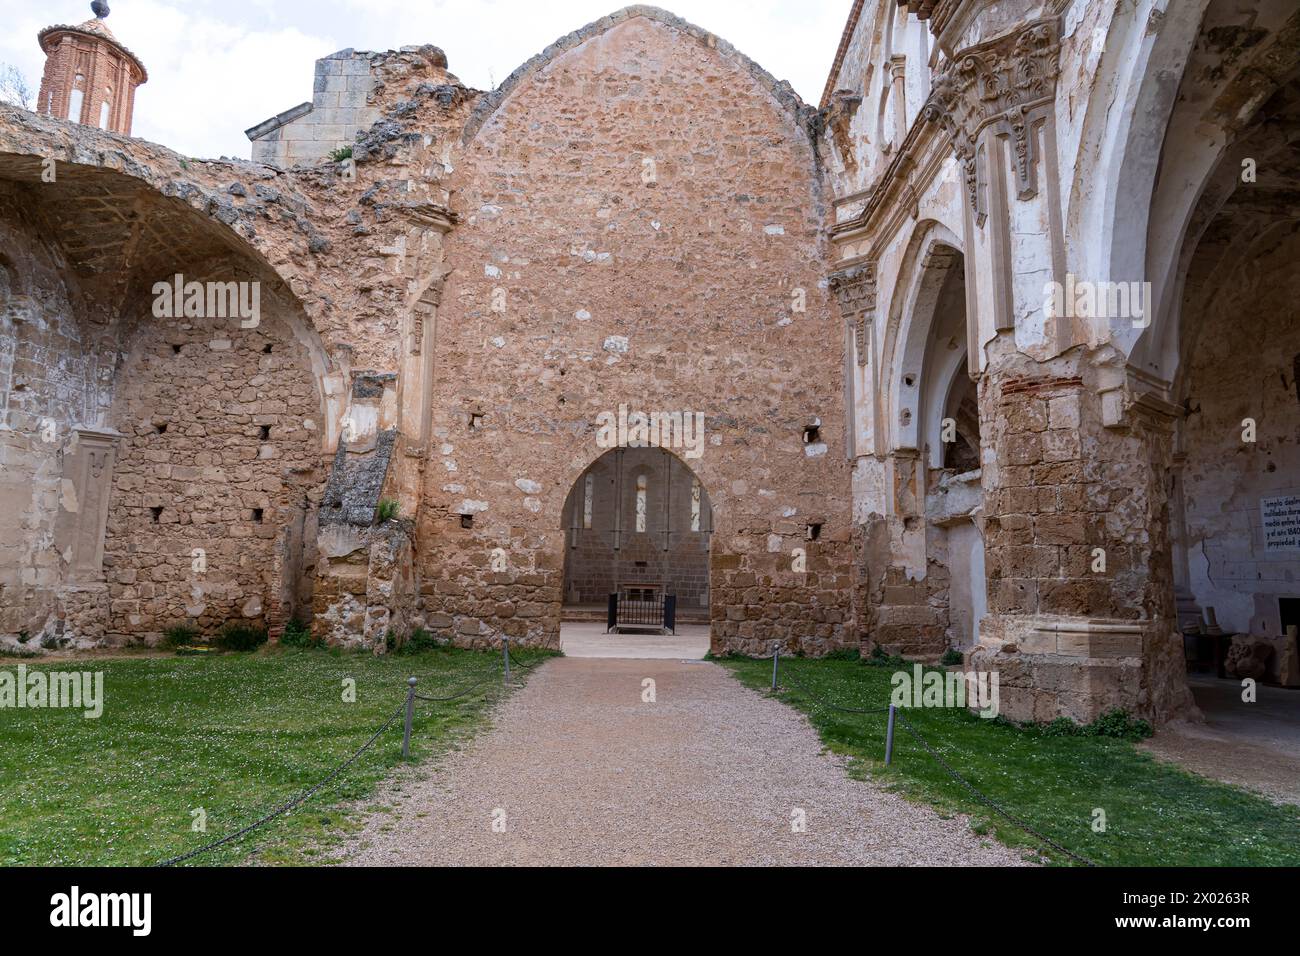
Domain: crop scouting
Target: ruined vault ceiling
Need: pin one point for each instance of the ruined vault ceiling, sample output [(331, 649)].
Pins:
[(113, 231)]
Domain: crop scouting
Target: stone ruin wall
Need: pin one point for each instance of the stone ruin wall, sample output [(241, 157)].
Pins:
[(367, 257), (671, 294), (667, 293), (220, 453), (50, 375)]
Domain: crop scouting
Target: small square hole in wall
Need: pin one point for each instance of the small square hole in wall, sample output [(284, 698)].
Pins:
[(266, 349), (264, 432), (467, 521), (257, 515), (475, 420), (176, 350), (155, 514), (812, 434), (160, 428), (814, 531)]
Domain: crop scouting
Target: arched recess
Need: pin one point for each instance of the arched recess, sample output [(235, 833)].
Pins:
[(937, 575), (185, 449), (931, 269), (1192, 189), (606, 553)]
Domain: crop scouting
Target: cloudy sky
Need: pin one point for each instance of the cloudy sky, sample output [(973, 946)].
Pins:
[(217, 67)]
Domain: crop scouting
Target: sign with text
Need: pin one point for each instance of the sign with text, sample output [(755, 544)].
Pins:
[(1281, 518)]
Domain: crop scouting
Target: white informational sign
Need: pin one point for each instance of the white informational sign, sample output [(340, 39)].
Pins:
[(1281, 523)]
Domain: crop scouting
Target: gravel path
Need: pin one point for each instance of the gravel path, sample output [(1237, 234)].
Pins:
[(711, 773)]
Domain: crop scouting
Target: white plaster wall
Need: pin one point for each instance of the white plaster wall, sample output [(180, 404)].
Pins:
[(1244, 366)]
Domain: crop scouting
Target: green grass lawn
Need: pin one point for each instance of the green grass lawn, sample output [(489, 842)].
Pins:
[(235, 735), (1156, 814)]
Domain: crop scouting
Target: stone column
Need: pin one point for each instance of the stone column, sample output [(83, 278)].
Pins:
[(996, 102), (854, 288), (419, 257), (1077, 546), (898, 77)]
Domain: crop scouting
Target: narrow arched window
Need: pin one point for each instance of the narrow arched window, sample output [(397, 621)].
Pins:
[(641, 488), (587, 491), (76, 98), (104, 109), (695, 505)]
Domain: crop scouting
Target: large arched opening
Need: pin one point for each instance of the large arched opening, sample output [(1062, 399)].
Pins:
[(947, 434), (1235, 481), (934, 594), (1205, 208), (162, 454), (638, 524)]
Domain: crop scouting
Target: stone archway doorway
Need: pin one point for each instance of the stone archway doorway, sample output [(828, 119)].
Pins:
[(638, 523)]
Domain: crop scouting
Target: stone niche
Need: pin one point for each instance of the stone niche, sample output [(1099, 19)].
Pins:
[(83, 599)]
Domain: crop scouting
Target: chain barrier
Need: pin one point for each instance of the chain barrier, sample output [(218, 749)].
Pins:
[(518, 663), (286, 807), (988, 801), (313, 790), (464, 693)]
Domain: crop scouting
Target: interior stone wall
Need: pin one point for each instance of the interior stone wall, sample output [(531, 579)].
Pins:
[(219, 423), (52, 380), (1243, 364)]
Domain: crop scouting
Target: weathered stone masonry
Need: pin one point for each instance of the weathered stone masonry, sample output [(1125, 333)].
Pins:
[(621, 281), (853, 296)]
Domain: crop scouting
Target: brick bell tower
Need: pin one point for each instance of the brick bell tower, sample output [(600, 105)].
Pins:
[(89, 77)]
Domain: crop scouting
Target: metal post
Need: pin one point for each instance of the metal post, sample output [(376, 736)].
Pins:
[(889, 737), (776, 656), (410, 714), (505, 653)]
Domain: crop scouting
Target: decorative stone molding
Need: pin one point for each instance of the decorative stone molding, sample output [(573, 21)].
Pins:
[(855, 292), (424, 307), (1008, 83), (1128, 395)]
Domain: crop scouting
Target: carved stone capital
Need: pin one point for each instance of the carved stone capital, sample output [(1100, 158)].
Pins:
[(1009, 83), (427, 303), (855, 293)]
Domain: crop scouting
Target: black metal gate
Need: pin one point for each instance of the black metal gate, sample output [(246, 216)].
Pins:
[(657, 612)]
